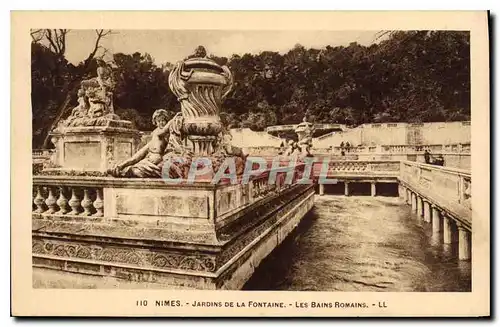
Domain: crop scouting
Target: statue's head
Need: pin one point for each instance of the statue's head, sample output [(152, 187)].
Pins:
[(81, 92), (160, 118)]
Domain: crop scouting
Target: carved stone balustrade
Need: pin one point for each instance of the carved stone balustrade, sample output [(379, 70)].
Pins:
[(358, 170), (200, 235), (67, 200)]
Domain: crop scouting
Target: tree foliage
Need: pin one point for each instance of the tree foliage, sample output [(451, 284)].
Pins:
[(412, 76)]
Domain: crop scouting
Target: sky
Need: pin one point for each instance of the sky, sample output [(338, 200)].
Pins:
[(174, 45)]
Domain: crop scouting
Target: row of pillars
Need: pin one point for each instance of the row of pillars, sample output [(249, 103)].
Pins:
[(432, 214), (346, 189)]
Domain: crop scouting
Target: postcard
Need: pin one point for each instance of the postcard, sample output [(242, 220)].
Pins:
[(281, 164)]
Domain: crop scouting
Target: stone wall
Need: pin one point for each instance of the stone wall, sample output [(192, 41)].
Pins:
[(245, 138), (399, 134)]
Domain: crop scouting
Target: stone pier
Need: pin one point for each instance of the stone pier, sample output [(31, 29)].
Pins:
[(427, 211), (447, 230), (463, 243), (436, 220), (321, 189), (413, 202), (419, 206)]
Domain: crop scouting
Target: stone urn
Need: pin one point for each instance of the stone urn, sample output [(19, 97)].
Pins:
[(201, 85)]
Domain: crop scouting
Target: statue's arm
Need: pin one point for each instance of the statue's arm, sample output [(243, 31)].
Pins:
[(138, 156), (168, 126)]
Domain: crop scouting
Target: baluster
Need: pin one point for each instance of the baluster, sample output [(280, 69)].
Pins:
[(86, 203), (99, 204), (51, 202), (39, 201), (62, 202), (74, 203)]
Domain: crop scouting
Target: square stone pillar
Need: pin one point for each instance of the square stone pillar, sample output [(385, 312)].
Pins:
[(446, 229), (408, 196), (346, 188), (419, 206), (321, 189), (373, 189), (436, 220), (413, 202), (463, 243), (427, 211)]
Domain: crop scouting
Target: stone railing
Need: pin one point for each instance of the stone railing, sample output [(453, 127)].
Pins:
[(449, 187), (357, 167), (85, 196), (406, 149), (68, 200), (239, 197), (134, 198)]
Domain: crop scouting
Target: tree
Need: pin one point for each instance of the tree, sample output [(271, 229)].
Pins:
[(143, 86), (62, 70), (414, 76)]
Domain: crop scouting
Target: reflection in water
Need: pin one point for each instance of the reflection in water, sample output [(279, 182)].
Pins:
[(362, 244)]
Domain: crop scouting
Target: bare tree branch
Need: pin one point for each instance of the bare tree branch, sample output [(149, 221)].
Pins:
[(57, 40), (63, 39), (50, 38)]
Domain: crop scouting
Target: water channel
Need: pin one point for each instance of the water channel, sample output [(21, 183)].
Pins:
[(362, 243)]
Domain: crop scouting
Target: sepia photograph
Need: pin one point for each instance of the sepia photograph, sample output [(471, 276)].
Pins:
[(250, 160)]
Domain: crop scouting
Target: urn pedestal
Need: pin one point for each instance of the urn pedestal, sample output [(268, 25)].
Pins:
[(94, 148)]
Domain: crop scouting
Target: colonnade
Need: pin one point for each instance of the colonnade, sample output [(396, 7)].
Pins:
[(441, 221)]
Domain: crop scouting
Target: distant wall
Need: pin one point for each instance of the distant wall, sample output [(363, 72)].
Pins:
[(245, 138), (446, 133), (399, 134), (242, 137), (387, 134)]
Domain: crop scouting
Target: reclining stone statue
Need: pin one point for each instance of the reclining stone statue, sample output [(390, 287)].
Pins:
[(148, 161)]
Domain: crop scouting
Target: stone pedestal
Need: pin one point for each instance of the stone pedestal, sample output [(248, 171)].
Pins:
[(94, 148)]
